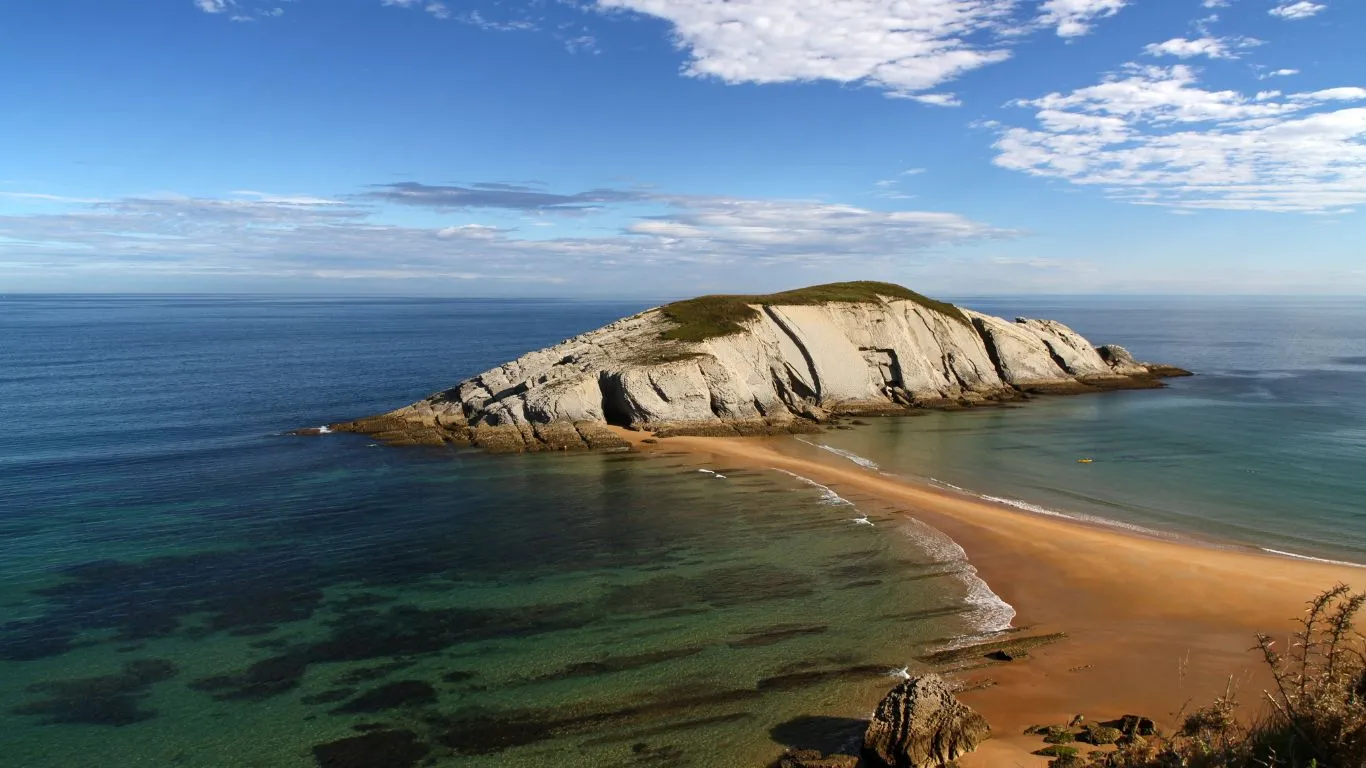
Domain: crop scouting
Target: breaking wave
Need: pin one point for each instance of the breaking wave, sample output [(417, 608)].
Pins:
[(828, 496), (862, 461), (990, 614), (1312, 559)]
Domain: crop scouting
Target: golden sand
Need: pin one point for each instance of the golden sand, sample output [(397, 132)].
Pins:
[(1154, 625)]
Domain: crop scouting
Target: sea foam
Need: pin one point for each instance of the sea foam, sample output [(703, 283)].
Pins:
[(862, 461), (1312, 559), (990, 613), (828, 496)]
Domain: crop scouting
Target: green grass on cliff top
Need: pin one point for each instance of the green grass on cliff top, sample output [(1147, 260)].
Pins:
[(707, 317)]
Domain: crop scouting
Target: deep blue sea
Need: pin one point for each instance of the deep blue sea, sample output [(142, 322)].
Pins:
[(184, 584)]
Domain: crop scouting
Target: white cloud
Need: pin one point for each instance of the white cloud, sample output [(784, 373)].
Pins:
[(1212, 47), (260, 234), (938, 99), (902, 46), (1296, 11), (214, 6), (1215, 3), (1073, 18), (1279, 73), (1153, 135)]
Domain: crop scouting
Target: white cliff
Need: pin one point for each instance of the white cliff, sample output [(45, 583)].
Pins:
[(779, 367)]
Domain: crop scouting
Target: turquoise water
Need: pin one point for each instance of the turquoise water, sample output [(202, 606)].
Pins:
[(1265, 447), (183, 584)]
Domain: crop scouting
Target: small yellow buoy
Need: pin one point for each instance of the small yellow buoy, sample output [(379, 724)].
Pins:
[(1085, 461)]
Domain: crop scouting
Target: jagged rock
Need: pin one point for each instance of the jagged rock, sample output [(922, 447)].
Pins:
[(920, 724), (776, 364)]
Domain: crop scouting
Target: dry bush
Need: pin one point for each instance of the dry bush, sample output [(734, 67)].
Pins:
[(1316, 712)]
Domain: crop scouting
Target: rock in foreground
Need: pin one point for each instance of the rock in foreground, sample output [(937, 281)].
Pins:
[(920, 724), (752, 365)]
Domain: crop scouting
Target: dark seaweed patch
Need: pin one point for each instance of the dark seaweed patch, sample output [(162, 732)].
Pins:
[(718, 588), (329, 697), (114, 700), (778, 634), (796, 680), (619, 663), (379, 749), (458, 676), (483, 733), (270, 677), (366, 674), (404, 693), (399, 631), (144, 600)]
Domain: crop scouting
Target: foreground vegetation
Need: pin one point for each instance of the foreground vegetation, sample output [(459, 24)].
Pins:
[(1315, 713), (708, 317)]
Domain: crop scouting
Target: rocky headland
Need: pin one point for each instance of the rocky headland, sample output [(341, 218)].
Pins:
[(756, 365)]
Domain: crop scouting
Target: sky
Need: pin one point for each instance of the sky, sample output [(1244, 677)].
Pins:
[(664, 148)]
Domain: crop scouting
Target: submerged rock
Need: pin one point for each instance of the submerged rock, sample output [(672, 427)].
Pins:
[(758, 365), (920, 724), (811, 758)]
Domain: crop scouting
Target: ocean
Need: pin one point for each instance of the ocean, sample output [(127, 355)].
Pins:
[(182, 583)]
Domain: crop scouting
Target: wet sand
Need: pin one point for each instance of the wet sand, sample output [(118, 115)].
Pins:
[(1154, 625)]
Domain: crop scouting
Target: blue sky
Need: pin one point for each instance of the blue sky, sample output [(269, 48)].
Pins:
[(651, 148)]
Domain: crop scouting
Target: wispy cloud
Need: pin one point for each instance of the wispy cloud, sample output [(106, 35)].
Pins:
[(1209, 47), (215, 6), (1073, 18), (499, 195), (260, 234), (1296, 11), (1154, 135)]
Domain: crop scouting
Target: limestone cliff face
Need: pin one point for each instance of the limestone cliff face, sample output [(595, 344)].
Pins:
[(786, 368)]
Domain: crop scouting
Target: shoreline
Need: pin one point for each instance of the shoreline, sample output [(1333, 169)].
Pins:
[(1155, 624)]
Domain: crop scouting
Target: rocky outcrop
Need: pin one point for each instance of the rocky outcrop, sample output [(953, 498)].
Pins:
[(776, 364), (920, 724)]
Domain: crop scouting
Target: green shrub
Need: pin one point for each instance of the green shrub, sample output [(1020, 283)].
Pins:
[(1060, 736), (1057, 750), (708, 317), (1101, 735)]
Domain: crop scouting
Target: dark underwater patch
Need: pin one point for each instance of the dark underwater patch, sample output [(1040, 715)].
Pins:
[(262, 680), (484, 733), (404, 693), (241, 592), (367, 674), (774, 635), (611, 664), (795, 680), (113, 700), (329, 697), (459, 676), (399, 631), (378, 749)]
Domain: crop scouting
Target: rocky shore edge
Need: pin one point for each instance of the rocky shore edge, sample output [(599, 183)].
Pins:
[(745, 366)]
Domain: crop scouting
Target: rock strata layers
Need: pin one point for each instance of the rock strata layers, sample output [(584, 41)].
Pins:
[(920, 724), (781, 367)]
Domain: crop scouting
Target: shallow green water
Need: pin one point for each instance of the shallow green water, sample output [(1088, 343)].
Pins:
[(586, 610)]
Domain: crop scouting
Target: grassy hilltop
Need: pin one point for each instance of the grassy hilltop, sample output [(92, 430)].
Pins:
[(707, 317)]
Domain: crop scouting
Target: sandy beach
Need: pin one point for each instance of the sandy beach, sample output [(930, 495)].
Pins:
[(1153, 625)]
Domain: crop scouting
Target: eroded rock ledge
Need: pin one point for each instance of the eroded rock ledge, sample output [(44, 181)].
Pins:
[(757, 365)]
